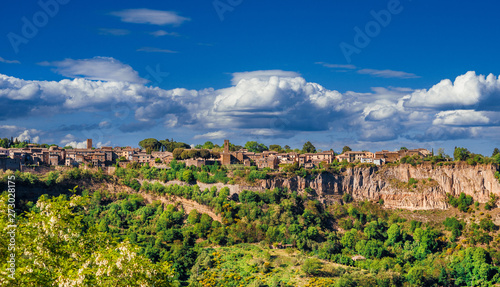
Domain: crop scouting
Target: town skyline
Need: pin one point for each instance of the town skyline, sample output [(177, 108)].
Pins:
[(371, 76), (161, 154), (338, 150)]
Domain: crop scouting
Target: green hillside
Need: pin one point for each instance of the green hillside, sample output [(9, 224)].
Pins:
[(104, 233)]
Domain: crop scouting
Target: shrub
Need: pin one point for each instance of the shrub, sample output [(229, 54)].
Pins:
[(462, 202), (492, 202), (487, 225), (412, 181), (187, 176), (312, 266), (347, 197), (254, 174)]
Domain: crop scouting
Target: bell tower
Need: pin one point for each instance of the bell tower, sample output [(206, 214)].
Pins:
[(226, 156)]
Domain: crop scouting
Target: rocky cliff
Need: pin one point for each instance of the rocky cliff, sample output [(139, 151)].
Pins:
[(427, 189)]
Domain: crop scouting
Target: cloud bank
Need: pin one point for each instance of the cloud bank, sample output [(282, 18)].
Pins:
[(271, 103)]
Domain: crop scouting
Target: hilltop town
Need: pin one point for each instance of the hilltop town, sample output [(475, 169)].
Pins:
[(35, 156)]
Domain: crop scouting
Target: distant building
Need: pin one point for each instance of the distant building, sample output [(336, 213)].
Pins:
[(198, 162), (366, 160), (4, 151), (225, 157), (236, 157), (9, 163), (393, 156), (352, 156)]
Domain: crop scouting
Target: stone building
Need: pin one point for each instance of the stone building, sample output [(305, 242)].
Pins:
[(9, 163)]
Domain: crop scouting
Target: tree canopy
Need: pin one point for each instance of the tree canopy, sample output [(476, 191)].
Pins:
[(346, 149), (276, 148), (55, 247), (495, 152), (150, 145), (461, 154), (254, 146), (206, 145), (308, 148)]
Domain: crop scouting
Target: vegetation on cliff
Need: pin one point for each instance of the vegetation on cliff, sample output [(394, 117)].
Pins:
[(188, 248)]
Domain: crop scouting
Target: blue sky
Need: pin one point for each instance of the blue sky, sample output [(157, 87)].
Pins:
[(366, 74)]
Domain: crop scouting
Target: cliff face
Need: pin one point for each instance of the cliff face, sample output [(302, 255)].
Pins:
[(390, 183)]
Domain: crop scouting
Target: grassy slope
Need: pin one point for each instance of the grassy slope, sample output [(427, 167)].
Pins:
[(257, 265)]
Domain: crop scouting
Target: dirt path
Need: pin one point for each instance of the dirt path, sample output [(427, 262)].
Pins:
[(187, 204)]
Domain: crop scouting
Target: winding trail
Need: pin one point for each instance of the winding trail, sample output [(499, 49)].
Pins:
[(187, 204)]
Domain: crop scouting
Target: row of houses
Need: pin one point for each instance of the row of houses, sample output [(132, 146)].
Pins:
[(98, 157), (32, 155), (381, 157), (106, 156), (273, 159)]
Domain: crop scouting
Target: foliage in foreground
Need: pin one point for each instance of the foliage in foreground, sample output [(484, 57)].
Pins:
[(54, 247)]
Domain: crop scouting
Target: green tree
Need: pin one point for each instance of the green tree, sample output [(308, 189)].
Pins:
[(254, 146), (440, 152), (461, 154), (393, 234), (177, 153), (187, 176), (150, 145), (312, 266), (455, 226), (186, 154), (349, 239), (204, 153), (495, 152), (417, 276), (473, 267), (171, 145), (427, 242), (308, 148), (203, 227), (346, 149), (193, 217), (208, 145), (5, 143), (276, 148), (71, 253), (194, 153), (374, 230)]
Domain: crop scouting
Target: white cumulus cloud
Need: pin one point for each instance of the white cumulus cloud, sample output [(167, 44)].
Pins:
[(467, 90), (262, 75), (29, 135), (461, 118)]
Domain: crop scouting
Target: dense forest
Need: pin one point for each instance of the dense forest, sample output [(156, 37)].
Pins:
[(91, 236)]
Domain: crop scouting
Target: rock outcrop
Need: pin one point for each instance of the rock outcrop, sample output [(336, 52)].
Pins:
[(391, 184)]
